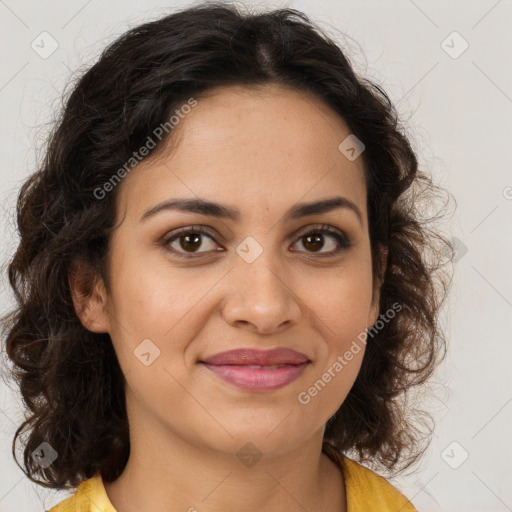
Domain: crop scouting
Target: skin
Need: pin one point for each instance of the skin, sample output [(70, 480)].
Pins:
[(278, 147)]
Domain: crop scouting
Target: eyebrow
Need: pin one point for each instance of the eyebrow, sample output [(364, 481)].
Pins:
[(212, 209)]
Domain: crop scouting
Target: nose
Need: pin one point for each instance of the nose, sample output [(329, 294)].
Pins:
[(260, 296)]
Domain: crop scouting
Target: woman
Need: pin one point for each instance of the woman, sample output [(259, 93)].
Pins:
[(222, 279)]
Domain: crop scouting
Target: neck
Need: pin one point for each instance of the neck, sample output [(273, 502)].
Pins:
[(166, 473)]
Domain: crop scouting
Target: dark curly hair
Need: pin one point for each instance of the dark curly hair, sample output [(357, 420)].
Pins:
[(62, 369)]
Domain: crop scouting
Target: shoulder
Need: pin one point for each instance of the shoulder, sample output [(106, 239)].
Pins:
[(90, 496), (365, 491), (368, 491)]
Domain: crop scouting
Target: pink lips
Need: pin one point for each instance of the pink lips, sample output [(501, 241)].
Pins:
[(248, 368)]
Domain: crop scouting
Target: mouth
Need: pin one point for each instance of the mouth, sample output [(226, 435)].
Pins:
[(257, 370)]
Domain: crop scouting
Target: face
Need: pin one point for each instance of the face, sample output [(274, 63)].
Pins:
[(186, 286)]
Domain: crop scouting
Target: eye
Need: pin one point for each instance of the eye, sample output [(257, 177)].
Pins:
[(314, 241), (189, 240), (186, 242)]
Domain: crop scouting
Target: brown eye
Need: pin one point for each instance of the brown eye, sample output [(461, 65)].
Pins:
[(186, 243), (315, 241), (324, 241), (190, 242)]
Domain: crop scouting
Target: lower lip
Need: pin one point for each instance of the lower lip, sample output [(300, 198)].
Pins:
[(257, 379)]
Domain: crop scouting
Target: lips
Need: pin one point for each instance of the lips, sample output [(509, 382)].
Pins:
[(258, 370), (277, 356)]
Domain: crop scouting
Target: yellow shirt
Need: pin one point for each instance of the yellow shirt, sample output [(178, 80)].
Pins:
[(366, 492)]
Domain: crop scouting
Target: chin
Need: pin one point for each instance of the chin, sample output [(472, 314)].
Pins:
[(266, 439)]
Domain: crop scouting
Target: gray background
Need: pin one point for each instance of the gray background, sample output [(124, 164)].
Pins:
[(458, 112)]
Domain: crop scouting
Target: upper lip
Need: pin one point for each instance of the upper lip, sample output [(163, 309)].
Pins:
[(250, 356)]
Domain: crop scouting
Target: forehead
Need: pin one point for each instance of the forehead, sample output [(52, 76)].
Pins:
[(258, 147)]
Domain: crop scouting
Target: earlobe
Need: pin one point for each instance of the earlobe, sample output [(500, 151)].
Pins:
[(374, 311), (375, 307), (89, 298)]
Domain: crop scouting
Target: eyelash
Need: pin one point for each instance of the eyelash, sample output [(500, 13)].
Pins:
[(343, 242)]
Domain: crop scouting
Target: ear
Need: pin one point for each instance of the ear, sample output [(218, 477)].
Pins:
[(89, 297), (374, 309)]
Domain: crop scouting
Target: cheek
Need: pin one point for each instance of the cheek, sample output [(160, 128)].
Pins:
[(343, 301), (167, 306), (149, 296), (145, 310), (341, 309), (342, 325)]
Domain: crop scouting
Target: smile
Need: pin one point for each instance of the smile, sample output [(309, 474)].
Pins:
[(257, 377)]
